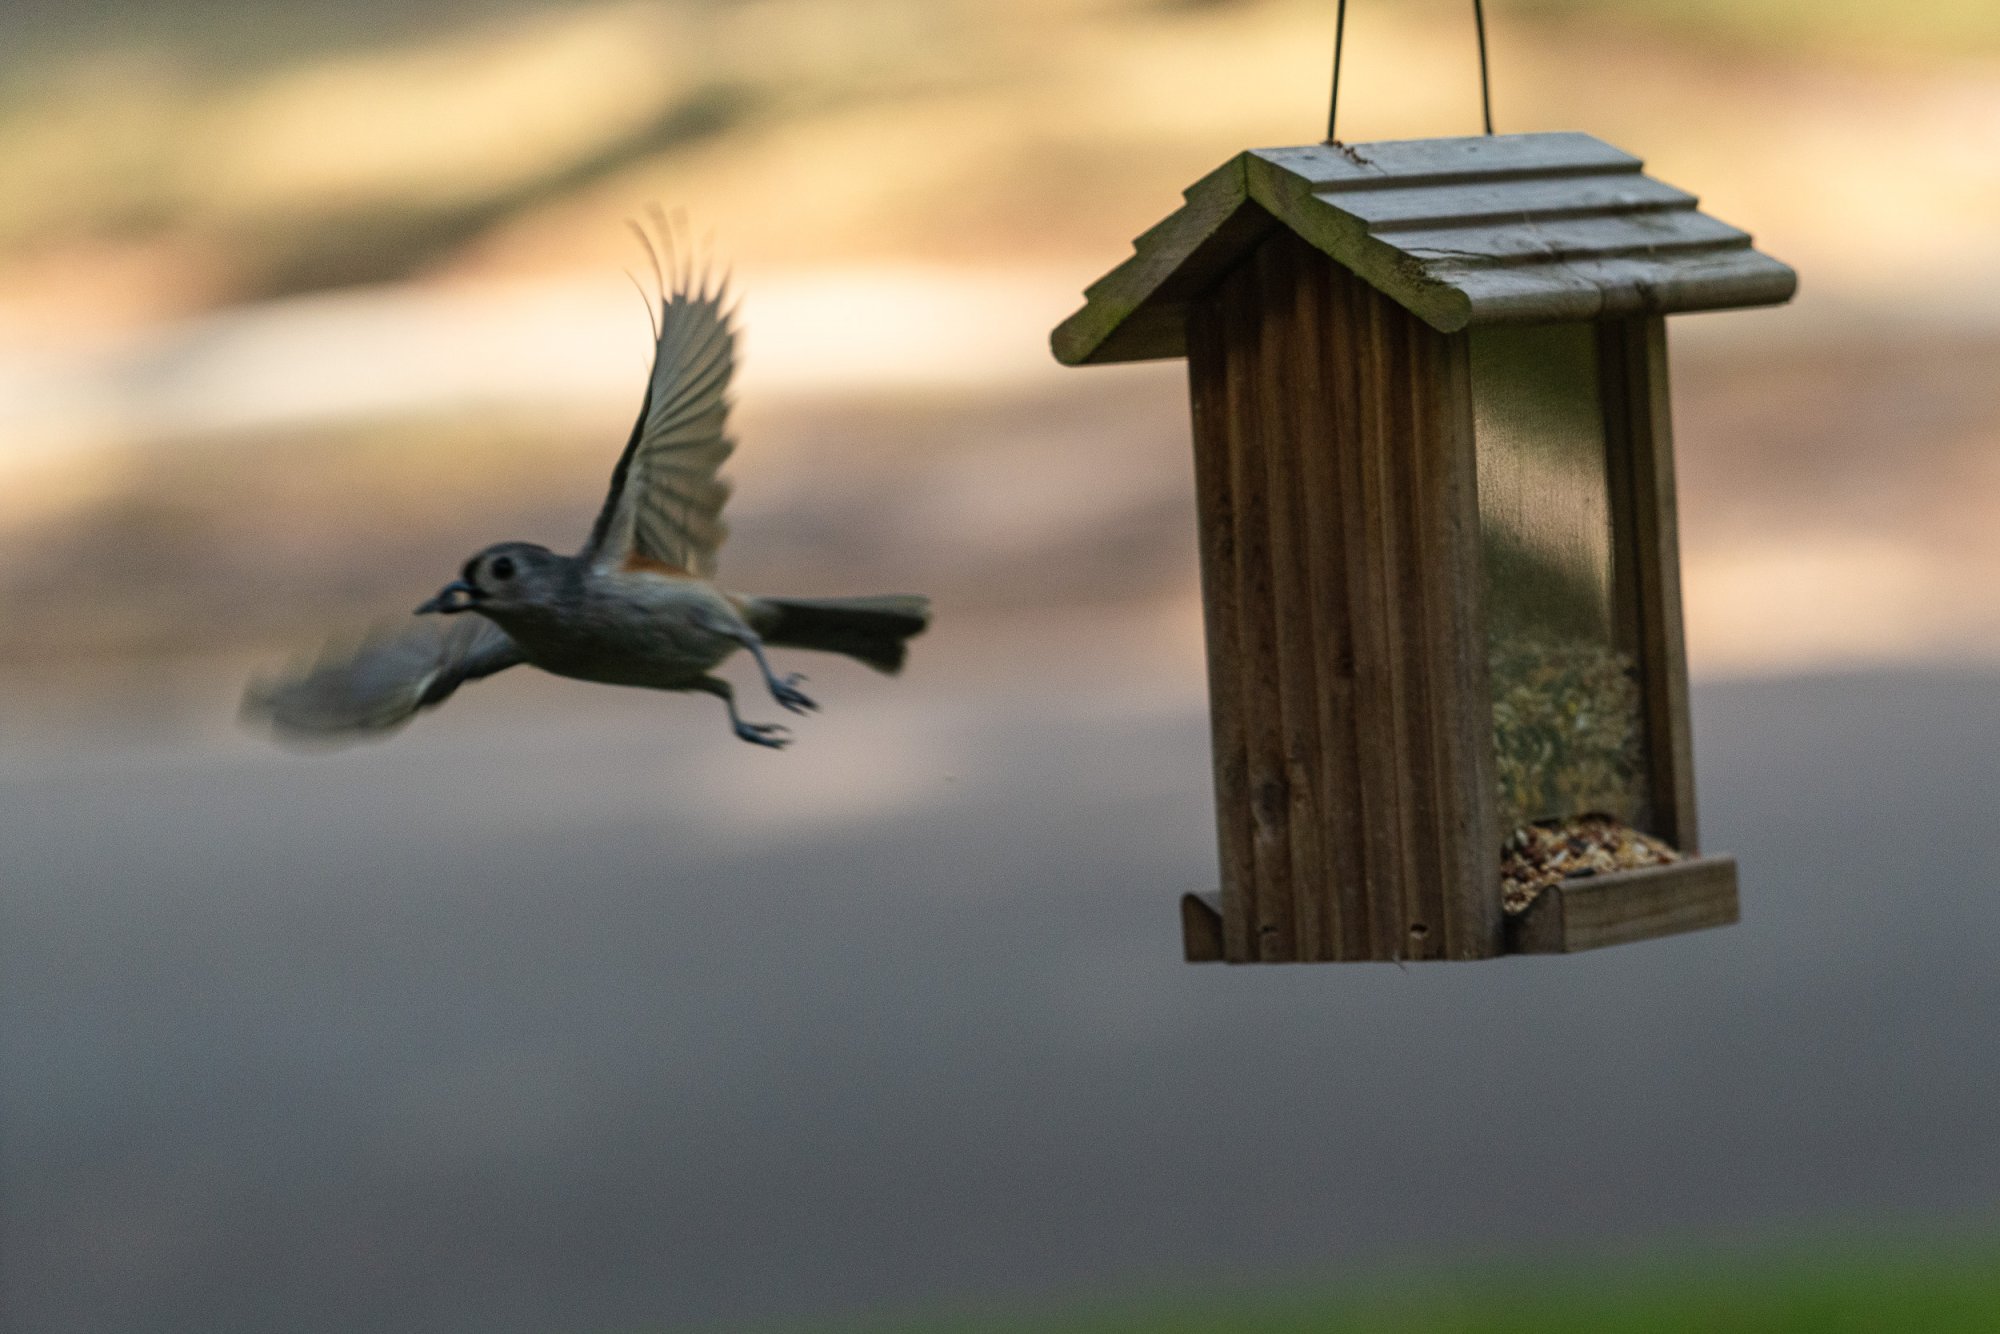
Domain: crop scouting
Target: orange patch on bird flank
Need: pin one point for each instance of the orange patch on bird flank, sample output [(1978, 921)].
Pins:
[(638, 562)]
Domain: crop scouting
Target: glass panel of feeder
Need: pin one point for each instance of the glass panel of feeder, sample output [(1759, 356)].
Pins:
[(1566, 708)]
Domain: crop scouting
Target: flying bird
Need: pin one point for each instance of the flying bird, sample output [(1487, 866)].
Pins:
[(636, 606)]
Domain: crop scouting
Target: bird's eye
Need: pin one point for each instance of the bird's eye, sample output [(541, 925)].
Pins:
[(502, 568)]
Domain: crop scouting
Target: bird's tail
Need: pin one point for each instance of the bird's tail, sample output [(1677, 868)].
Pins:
[(874, 630)]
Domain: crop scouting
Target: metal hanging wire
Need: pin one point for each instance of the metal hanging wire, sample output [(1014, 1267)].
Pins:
[(1340, 37)]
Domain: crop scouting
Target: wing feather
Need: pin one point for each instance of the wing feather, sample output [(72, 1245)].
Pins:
[(357, 690), (667, 494)]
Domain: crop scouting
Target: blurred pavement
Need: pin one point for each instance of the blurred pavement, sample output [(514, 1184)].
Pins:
[(565, 1011)]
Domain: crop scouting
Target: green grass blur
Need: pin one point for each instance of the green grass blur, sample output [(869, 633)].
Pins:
[(1952, 1288)]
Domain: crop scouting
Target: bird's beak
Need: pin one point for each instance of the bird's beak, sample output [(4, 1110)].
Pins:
[(454, 596)]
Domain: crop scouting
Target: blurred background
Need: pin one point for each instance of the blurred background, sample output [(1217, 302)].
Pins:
[(566, 1011)]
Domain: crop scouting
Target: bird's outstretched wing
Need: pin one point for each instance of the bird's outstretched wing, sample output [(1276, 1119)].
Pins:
[(373, 687), (666, 499)]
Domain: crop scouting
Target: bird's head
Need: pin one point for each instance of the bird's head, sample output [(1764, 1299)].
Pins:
[(505, 577)]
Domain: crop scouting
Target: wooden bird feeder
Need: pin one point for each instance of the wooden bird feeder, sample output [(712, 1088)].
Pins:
[(1434, 469)]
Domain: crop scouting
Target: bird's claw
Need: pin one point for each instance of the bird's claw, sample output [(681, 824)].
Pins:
[(786, 691), (775, 735)]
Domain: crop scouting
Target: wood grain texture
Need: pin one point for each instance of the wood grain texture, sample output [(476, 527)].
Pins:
[(1469, 833), (1453, 160), (1255, 434), (1632, 358), (1215, 512), (1324, 478), (1461, 232), (1553, 239), (1626, 906), (1132, 313), (1201, 928), (1283, 409), (1378, 897), (1340, 574), (1511, 203)]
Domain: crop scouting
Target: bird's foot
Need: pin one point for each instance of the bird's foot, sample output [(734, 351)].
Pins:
[(775, 735), (786, 691)]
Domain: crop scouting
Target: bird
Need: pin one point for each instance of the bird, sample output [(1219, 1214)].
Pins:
[(637, 605)]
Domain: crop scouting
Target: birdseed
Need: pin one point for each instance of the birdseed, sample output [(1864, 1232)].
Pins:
[(1538, 855), (1566, 729)]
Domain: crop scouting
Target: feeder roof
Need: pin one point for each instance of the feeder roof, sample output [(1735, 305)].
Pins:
[(1493, 229)]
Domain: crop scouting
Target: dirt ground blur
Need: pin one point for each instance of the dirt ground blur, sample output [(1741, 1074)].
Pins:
[(295, 315), (1838, 498)]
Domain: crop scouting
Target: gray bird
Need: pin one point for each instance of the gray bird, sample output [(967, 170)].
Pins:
[(634, 607)]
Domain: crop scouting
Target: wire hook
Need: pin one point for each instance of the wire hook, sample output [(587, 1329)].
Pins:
[(1340, 37)]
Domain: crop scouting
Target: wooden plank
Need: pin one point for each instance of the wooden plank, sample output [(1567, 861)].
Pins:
[(1627, 906), (1324, 421), (1154, 329), (1451, 291), (1457, 158), (1660, 552), (1469, 835), (1215, 509), (1420, 594), (1286, 327), (1378, 760), (1560, 240), (1254, 436), (1510, 203), (1345, 239), (1585, 288), (1113, 300), (1629, 633), (1201, 928), (1583, 235), (1348, 664), (1639, 436), (1396, 517)]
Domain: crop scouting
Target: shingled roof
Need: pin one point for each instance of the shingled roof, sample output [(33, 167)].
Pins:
[(1487, 230)]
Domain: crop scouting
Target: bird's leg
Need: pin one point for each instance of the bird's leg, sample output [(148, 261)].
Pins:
[(784, 689), (774, 735)]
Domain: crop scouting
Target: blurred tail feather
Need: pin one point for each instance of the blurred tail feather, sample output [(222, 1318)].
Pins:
[(873, 630)]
